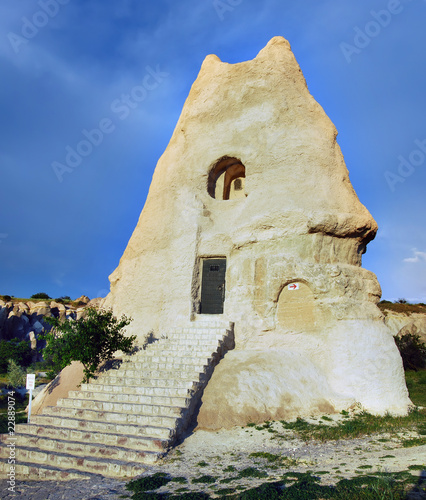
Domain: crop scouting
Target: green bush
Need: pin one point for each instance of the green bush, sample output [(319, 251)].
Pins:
[(15, 349), (40, 296), (16, 375), (412, 350), (6, 298), (91, 340), (64, 298)]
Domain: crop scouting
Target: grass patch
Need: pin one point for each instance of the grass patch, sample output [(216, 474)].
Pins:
[(204, 480), (227, 480), (268, 456), (195, 495), (18, 404), (417, 467), (416, 385), (357, 426), (251, 472), (409, 443), (180, 480), (385, 305), (202, 464), (225, 491), (148, 483)]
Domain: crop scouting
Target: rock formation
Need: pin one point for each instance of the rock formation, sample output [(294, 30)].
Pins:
[(251, 218), (25, 320)]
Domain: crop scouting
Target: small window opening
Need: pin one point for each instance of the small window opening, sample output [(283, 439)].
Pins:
[(227, 179), (238, 184)]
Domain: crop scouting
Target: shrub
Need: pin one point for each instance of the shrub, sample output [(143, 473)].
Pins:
[(6, 298), (40, 296), (15, 349), (91, 340), (412, 350), (64, 298), (16, 375)]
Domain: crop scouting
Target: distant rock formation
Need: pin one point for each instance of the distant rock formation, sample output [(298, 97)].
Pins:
[(401, 324), (25, 320)]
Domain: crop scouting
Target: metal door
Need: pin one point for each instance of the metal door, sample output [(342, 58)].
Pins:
[(213, 286)]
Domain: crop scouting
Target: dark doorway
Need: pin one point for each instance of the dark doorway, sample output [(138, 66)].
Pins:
[(213, 286)]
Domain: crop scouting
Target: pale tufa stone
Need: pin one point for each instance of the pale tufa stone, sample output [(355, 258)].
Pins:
[(84, 299), (296, 221)]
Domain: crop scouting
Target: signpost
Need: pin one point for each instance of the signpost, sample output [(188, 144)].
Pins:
[(30, 387)]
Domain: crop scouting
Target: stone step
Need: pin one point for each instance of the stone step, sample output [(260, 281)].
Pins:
[(89, 426), (150, 366), (180, 344), (27, 471), (127, 408), (202, 334), (170, 359), (81, 449), (166, 370), (131, 398), (105, 466), (151, 390), (195, 351), (164, 378), (128, 416), (100, 438), (193, 339), (158, 381), (113, 417)]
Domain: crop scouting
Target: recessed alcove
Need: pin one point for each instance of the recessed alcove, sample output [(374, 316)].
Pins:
[(227, 179), (296, 308)]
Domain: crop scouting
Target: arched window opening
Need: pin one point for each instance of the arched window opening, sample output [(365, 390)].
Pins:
[(227, 179)]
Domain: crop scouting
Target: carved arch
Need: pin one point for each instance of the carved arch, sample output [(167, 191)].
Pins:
[(227, 179)]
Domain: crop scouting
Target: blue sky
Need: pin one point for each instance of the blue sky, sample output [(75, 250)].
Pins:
[(66, 67)]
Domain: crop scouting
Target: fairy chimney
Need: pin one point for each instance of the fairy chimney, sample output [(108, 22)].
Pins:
[(251, 218)]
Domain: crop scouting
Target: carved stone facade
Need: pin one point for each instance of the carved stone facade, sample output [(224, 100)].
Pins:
[(251, 217)]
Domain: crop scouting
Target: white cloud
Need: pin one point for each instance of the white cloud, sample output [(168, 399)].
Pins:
[(418, 256)]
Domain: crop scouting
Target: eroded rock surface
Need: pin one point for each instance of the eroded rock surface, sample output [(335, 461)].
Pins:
[(254, 179)]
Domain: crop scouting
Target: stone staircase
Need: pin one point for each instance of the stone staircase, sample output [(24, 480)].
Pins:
[(126, 418)]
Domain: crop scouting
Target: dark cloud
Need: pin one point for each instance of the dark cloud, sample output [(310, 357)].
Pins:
[(66, 237)]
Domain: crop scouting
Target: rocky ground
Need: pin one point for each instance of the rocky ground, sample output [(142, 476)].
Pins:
[(224, 454)]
